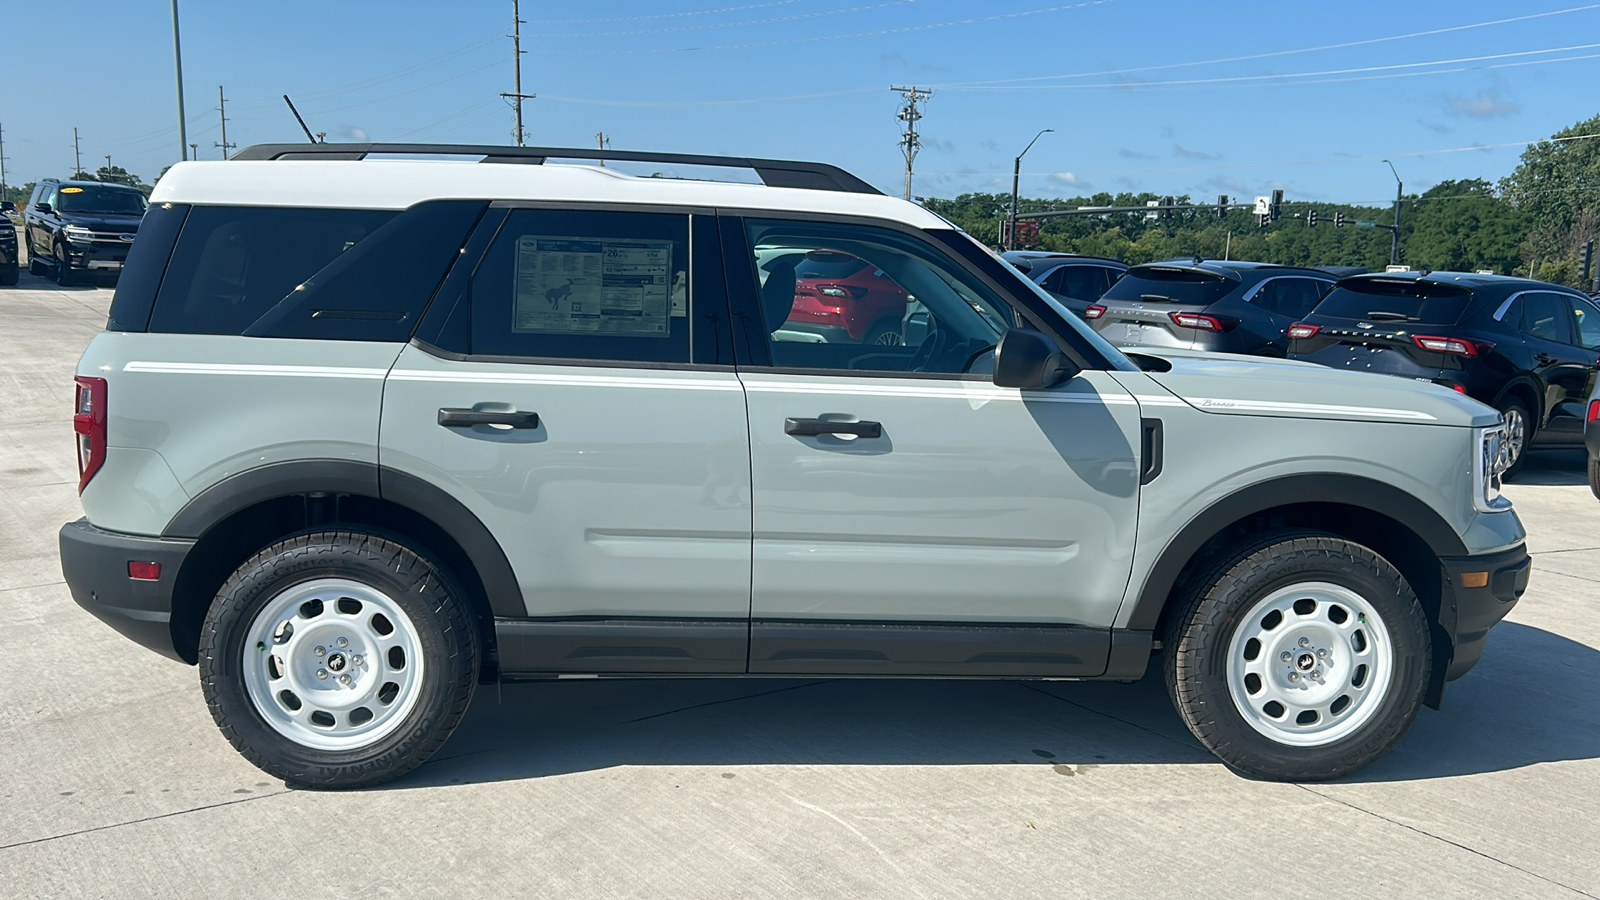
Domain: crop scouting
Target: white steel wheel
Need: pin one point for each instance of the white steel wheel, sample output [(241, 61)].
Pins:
[(332, 664), (1309, 664)]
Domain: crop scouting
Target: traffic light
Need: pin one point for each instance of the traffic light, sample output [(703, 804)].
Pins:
[(1585, 260), (1277, 204), (1166, 207), (1222, 206), (1338, 220), (1311, 219), (1262, 219)]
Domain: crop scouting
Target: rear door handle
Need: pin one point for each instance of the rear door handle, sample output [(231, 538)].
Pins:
[(463, 418), (811, 427)]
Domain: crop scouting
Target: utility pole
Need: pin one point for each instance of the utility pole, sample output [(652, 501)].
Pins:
[(604, 142), (2, 162), (77, 159), (1394, 234), (177, 64), (108, 164), (910, 142), (222, 109), (1016, 178), (516, 94)]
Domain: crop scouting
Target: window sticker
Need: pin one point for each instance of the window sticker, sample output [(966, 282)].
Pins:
[(72, 190), (572, 285)]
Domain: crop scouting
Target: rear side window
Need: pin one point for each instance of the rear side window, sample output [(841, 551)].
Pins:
[(558, 284), (1291, 297), (147, 260), (1547, 317), (1398, 300), (234, 263), (1077, 282), (1156, 284)]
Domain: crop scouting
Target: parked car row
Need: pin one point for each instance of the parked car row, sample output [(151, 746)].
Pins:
[(8, 247)]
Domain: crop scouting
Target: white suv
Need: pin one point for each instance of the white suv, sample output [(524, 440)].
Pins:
[(363, 433)]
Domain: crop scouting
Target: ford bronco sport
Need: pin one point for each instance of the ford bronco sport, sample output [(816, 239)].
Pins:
[(364, 433)]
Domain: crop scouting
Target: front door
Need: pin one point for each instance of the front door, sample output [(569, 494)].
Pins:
[(584, 419), (910, 517)]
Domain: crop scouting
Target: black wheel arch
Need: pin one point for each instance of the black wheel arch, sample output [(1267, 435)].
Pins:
[(246, 511), (1527, 389)]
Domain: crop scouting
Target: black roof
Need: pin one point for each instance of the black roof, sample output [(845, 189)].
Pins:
[(1237, 269), (1471, 280), (67, 182)]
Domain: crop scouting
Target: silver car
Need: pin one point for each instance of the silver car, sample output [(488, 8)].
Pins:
[(363, 433)]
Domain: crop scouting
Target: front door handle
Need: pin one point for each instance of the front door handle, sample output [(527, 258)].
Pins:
[(812, 427), (1545, 359), (463, 418)]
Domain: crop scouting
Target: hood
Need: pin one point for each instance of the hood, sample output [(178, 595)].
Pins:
[(109, 223), (1227, 384)]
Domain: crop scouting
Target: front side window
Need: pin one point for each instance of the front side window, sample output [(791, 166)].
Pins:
[(1547, 317), (1588, 320), (860, 298), (560, 284)]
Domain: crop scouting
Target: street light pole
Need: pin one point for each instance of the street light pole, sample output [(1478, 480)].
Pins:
[(1394, 235), (1016, 179), (177, 62)]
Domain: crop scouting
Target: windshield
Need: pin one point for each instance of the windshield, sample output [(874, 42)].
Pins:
[(1396, 300), (1068, 318), (1169, 285), (122, 201)]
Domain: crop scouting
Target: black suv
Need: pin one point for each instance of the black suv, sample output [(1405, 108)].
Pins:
[(72, 226), (8, 246), (1075, 280), (1201, 304), (1527, 348)]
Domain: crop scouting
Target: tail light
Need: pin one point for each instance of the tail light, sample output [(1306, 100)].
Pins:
[(1594, 410), (1202, 322), (842, 291), (1300, 330), (1450, 345), (89, 421), (1462, 389), (1094, 311)]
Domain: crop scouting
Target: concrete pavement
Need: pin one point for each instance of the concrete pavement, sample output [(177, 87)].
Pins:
[(114, 782)]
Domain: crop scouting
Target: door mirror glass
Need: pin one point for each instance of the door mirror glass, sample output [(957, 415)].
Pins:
[(43, 207), (1027, 359)]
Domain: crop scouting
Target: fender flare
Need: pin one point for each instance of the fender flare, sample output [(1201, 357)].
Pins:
[(1342, 490), (337, 476)]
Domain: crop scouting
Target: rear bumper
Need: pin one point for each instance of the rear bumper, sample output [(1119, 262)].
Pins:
[(1467, 613), (95, 565)]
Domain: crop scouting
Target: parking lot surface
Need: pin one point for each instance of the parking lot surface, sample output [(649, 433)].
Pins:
[(114, 781)]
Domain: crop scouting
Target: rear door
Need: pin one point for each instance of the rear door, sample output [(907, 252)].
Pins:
[(910, 516), (575, 392), (1562, 364), (1282, 301)]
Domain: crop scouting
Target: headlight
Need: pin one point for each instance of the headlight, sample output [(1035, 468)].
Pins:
[(1489, 461), (74, 233)]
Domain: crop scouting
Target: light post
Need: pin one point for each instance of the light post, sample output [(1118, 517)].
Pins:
[(177, 63), (1016, 178), (1394, 235)]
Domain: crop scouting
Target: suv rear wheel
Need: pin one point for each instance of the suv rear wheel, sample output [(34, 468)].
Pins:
[(338, 659), (1594, 476), (1298, 657), (1519, 433)]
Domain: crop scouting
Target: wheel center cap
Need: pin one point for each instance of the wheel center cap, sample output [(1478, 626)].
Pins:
[(1305, 662), (336, 662)]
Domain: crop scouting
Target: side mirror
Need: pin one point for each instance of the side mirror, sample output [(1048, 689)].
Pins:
[(7, 206), (42, 207), (1026, 359)]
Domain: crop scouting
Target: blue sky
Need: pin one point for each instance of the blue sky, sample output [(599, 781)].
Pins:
[(1153, 94)]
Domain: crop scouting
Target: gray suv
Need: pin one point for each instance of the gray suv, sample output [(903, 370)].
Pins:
[(363, 433)]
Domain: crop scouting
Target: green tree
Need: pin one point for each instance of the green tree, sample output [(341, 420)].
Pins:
[(116, 175), (1463, 226), (1556, 188)]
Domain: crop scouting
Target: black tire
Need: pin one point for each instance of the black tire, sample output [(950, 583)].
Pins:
[(1198, 637), (1594, 476), (36, 266), (1506, 407), (9, 275), (426, 595), (885, 332), (62, 266)]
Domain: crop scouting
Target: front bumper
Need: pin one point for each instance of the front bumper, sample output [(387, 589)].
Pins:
[(97, 254), (1467, 613), (95, 564)]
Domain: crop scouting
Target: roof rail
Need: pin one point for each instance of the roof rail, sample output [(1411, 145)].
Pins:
[(773, 172)]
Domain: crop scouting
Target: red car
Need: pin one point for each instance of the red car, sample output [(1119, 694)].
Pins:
[(835, 291)]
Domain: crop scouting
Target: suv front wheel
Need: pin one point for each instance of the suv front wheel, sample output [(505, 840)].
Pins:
[(1301, 656), (338, 659)]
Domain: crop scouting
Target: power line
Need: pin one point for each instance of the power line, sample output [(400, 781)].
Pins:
[(676, 15), (837, 37), (431, 84), (1277, 53), (681, 28)]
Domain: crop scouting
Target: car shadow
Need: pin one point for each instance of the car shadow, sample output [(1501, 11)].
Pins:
[(1554, 467), (1534, 698)]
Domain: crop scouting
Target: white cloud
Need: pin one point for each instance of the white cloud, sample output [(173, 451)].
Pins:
[(1485, 104)]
